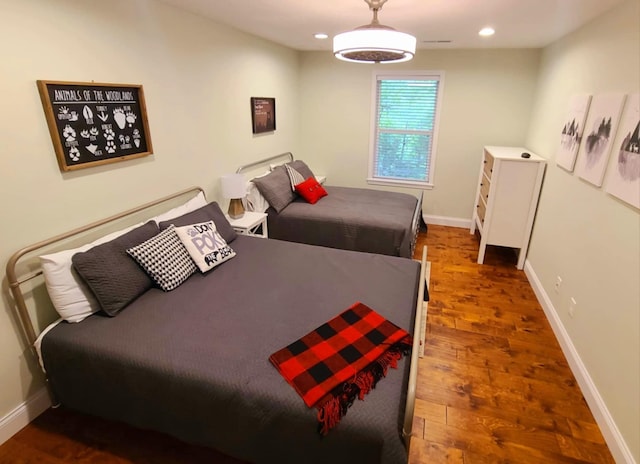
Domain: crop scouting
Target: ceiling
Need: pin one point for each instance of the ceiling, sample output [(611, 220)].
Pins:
[(518, 23)]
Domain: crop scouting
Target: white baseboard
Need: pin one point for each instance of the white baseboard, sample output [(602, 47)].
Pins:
[(446, 221), (13, 422), (608, 427)]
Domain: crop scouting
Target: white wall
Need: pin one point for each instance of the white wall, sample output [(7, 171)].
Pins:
[(488, 96), (584, 235), (198, 78)]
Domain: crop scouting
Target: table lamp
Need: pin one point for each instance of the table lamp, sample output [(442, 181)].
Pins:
[(234, 188)]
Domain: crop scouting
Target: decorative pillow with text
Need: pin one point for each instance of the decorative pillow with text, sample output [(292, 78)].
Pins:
[(205, 245)]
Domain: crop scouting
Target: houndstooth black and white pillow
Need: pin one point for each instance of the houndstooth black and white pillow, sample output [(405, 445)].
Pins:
[(165, 259), (294, 176)]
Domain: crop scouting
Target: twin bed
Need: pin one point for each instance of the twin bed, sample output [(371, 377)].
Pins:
[(193, 362), (347, 218)]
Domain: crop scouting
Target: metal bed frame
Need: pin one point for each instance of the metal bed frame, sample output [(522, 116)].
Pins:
[(287, 154), (15, 281)]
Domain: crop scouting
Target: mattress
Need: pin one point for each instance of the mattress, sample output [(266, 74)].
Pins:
[(193, 362), (351, 219)]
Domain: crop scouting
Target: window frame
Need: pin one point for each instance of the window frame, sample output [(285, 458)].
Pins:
[(378, 75)]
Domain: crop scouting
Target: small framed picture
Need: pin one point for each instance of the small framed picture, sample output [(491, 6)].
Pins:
[(263, 114), (93, 124)]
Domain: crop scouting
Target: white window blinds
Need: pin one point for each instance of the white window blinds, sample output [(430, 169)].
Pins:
[(406, 119)]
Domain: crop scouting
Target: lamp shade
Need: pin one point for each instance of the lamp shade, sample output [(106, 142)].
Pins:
[(374, 45), (233, 186)]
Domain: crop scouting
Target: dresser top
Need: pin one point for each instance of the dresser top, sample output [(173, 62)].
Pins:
[(513, 153)]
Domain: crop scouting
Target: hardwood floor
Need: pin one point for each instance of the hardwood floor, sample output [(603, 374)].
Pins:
[(493, 386)]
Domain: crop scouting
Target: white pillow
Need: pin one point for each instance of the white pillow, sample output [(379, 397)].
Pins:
[(196, 202), (205, 245), (254, 201), (71, 297)]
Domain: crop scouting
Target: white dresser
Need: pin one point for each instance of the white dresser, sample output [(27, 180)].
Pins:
[(506, 199)]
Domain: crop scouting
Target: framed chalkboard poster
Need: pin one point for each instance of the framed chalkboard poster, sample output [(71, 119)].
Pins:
[(263, 114), (93, 124)]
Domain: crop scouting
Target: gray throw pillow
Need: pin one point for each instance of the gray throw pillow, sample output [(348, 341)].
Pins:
[(276, 188), (210, 212), (114, 278), (302, 168)]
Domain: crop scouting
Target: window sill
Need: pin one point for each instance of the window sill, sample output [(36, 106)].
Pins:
[(400, 183)]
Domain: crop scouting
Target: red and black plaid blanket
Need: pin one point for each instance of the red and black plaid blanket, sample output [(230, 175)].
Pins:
[(341, 360)]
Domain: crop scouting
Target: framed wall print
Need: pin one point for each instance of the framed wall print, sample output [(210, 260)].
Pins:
[(93, 124), (572, 130), (263, 114), (600, 132), (623, 177)]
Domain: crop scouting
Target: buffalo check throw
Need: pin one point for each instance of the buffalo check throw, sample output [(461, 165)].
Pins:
[(341, 360)]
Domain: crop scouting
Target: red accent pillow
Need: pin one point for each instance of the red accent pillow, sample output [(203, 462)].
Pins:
[(311, 190)]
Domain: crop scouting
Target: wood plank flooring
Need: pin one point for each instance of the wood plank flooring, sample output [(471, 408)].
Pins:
[(493, 386)]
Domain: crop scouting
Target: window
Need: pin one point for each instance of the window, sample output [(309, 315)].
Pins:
[(404, 129)]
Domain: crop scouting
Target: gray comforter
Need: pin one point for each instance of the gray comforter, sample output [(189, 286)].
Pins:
[(350, 219), (193, 362)]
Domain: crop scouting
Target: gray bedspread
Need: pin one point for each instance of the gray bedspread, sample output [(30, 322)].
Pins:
[(193, 362), (350, 219)]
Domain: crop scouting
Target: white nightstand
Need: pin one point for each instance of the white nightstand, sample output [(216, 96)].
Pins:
[(250, 223)]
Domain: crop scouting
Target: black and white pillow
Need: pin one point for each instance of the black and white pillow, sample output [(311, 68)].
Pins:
[(165, 259), (205, 245), (294, 176)]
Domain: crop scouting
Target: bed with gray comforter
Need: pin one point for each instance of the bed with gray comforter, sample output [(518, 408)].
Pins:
[(193, 362), (352, 219)]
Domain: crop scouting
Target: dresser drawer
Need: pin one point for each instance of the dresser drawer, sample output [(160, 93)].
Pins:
[(482, 209), (484, 189), (488, 164)]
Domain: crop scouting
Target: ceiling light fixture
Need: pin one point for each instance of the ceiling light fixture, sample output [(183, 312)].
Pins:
[(374, 43), (486, 31), (321, 36)]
